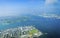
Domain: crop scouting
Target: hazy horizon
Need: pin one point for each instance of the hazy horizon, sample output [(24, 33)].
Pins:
[(18, 7)]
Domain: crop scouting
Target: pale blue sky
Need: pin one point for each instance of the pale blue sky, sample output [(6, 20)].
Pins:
[(17, 7)]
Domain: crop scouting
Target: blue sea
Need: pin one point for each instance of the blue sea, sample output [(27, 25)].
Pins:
[(45, 25)]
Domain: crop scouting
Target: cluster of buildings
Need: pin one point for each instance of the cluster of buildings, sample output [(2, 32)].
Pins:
[(21, 32)]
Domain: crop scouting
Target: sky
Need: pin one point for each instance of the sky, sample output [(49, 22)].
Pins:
[(18, 7)]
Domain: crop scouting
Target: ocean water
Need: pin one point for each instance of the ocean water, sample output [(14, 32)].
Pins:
[(51, 26)]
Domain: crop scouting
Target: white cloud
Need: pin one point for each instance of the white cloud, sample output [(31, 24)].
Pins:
[(50, 16), (50, 1)]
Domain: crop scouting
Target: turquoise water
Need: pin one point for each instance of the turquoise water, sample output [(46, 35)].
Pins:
[(46, 25)]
